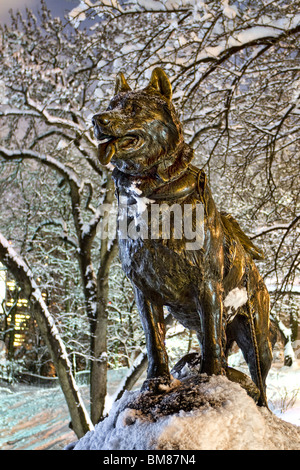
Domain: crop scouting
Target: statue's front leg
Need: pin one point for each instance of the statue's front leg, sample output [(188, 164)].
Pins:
[(210, 307), (154, 328)]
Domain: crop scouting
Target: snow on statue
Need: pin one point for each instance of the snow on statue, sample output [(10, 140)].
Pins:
[(219, 416)]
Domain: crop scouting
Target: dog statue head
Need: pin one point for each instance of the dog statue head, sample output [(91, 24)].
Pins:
[(140, 131)]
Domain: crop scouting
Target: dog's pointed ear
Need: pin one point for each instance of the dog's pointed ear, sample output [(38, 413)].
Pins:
[(161, 83), (121, 83)]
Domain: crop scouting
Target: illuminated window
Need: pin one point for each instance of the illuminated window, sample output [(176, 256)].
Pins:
[(21, 315)]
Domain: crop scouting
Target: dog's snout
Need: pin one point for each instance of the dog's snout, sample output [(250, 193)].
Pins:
[(100, 119)]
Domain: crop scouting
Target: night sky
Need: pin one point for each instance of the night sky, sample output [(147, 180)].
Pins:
[(58, 7)]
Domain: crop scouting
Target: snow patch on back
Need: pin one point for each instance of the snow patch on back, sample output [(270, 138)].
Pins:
[(236, 298)]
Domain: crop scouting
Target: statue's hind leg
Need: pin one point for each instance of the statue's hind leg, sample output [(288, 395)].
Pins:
[(258, 356)]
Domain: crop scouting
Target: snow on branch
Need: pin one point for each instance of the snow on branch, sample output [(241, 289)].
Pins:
[(52, 119), (18, 112), (39, 110), (64, 232), (200, 11), (66, 171), (276, 227), (254, 35), (84, 230)]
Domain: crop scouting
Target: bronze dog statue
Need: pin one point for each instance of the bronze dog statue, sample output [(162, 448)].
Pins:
[(214, 289)]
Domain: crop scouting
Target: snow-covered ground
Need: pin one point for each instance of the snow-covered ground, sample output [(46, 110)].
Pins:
[(284, 392), (33, 418), (37, 418), (283, 388)]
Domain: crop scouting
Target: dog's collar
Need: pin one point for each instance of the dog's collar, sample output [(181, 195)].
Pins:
[(193, 179), (190, 180), (177, 188), (169, 181), (175, 181)]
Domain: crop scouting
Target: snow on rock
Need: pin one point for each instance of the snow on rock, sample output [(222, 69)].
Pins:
[(202, 413)]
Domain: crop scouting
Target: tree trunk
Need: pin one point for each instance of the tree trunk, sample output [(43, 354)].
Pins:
[(81, 423), (98, 325), (98, 383), (286, 335), (99, 322)]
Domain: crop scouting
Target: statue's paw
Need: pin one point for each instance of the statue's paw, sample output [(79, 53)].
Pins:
[(161, 384), (156, 384), (245, 382)]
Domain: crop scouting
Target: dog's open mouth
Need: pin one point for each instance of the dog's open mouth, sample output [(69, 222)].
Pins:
[(106, 148), (109, 144)]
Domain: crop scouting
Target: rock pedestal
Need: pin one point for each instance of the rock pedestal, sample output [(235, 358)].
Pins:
[(196, 413)]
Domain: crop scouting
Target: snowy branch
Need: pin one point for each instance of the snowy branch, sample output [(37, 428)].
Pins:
[(68, 173), (276, 227)]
